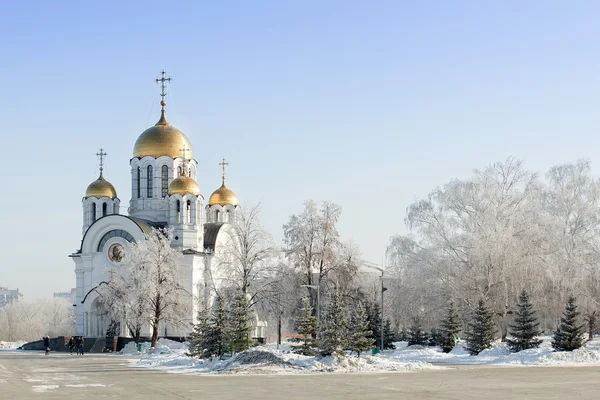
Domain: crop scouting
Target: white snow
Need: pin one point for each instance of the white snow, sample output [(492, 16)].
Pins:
[(11, 345), (44, 388), (170, 357)]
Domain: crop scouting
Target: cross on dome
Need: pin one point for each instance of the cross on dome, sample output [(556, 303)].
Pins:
[(163, 86), (101, 154), (223, 164)]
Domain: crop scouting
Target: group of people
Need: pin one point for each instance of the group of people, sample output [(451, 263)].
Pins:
[(76, 342)]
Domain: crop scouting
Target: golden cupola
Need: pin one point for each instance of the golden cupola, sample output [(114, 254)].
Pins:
[(223, 196), (101, 187), (183, 185), (162, 139)]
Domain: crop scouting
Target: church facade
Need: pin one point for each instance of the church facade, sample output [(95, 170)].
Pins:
[(164, 194)]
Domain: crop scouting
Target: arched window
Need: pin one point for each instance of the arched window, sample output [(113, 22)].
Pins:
[(189, 212), (104, 208), (178, 212), (178, 171), (138, 182), (226, 219), (149, 179), (217, 215), (165, 180), (93, 211)]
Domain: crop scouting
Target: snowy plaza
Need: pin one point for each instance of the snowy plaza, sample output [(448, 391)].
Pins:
[(419, 374)]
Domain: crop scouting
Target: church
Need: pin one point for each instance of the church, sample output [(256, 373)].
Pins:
[(164, 194)]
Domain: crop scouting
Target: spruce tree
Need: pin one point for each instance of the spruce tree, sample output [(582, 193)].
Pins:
[(306, 325), (197, 346), (569, 335), (211, 335), (333, 339), (481, 330), (416, 335), (374, 316), (449, 330), (360, 334), (525, 330), (239, 323), (389, 336)]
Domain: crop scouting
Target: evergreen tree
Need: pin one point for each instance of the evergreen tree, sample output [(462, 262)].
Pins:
[(481, 330), (389, 335), (374, 316), (211, 334), (569, 335), (306, 325), (360, 335), (416, 336), (525, 330), (449, 330), (435, 338), (197, 341), (239, 323), (334, 338)]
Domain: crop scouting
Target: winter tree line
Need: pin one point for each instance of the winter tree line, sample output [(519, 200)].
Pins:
[(30, 320), (493, 235)]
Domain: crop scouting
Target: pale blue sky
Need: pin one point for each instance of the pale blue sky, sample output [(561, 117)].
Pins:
[(368, 104)]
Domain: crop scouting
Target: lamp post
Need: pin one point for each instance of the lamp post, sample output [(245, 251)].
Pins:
[(316, 287), (383, 289)]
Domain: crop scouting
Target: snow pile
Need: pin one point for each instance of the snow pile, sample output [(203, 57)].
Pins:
[(11, 345), (268, 360)]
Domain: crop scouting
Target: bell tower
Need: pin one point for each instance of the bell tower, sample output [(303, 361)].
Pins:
[(100, 198)]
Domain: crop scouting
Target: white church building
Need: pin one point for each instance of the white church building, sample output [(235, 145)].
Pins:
[(164, 194)]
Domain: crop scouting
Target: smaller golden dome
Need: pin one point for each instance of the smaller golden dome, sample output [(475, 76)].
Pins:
[(101, 188), (223, 196), (184, 185)]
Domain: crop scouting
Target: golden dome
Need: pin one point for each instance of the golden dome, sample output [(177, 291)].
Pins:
[(162, 139), (101, 188), (184, 185), (223, 196)]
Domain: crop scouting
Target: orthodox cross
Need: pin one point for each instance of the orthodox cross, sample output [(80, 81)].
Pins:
[(101, 155), (163, 85), (223, 164)]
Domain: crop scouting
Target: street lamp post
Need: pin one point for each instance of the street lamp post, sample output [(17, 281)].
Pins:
[(316, 287), (383, 289)]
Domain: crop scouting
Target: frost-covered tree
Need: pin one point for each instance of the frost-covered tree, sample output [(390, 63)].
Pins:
[(333, 339), (592, 321), (450, 328), (569, 335), (525, 330), (249, 258), (148, 282), (306, 325), (239, 322), (360, 334), (30, 320), (125, 297), (416, 335), (312, 244), (480, 335)]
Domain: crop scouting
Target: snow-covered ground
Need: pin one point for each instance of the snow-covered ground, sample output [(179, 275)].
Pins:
[(11, 345), (170, 356)]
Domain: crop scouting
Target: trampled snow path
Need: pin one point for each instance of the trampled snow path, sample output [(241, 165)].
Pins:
[(170, 356)]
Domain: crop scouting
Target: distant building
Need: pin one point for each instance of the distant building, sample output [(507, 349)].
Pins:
[(71, 296), (8, 296)]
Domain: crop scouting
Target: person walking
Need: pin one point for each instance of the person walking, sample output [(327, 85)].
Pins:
[(47, 344), (80, 345), (71, 345)]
